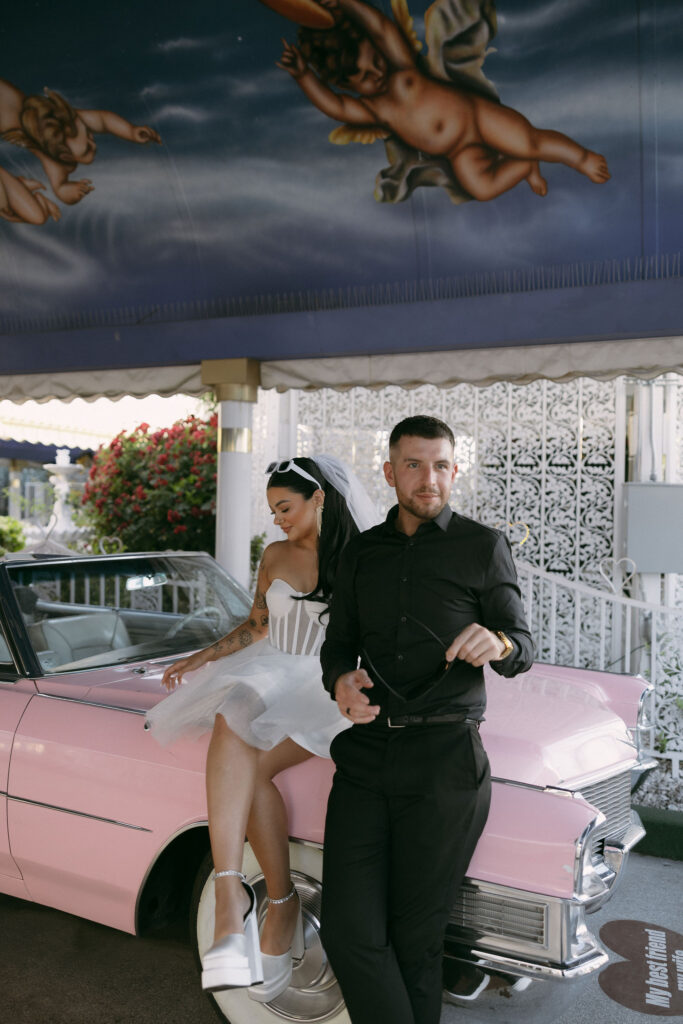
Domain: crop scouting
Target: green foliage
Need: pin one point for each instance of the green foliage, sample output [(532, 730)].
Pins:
[(155, 491), (11, 535)]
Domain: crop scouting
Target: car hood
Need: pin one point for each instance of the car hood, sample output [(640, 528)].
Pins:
[(542, 731), (539, 730)]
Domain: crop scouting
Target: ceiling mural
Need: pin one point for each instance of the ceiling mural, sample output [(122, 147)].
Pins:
[(222, 160)]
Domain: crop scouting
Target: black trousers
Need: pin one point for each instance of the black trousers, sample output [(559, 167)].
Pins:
[(406, 810)]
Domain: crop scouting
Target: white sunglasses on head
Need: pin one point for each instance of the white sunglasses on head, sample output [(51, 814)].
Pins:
[(289, 465)]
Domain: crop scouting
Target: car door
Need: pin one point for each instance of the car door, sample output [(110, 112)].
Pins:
[(15, 694)]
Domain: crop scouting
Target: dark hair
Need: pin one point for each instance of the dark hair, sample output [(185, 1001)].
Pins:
[(421, 426), (338, 526), (332, 52)]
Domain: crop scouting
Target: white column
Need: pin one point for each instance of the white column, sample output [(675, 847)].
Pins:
[(235, 382), (233, 489), (287, 425)]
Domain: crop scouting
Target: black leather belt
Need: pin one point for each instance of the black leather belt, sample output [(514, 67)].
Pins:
[(401, 721)]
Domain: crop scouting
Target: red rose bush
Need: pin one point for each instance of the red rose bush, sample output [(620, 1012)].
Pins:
[(156, 491)]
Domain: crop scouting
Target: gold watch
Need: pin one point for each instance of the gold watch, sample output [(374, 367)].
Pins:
[(509, 646)]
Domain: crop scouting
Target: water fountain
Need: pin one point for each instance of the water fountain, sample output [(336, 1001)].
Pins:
[(64, 477)]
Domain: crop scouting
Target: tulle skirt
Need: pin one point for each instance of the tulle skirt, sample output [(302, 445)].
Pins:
[(265, 696)]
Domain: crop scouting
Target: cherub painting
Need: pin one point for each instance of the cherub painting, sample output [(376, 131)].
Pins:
[(440, 117), (61, 137), (22, 200)]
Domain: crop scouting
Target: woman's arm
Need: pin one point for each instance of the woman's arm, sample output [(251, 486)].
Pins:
[(254, 628), (247, 633)]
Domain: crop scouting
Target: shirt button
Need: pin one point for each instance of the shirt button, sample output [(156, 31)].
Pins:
[(403, 618), (399, 657), (404, 579)]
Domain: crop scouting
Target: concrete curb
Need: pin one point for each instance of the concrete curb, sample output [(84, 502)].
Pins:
[(664, 832)]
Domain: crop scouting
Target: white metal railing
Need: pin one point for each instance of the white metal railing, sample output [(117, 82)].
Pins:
[(575, 624), (100, 590)]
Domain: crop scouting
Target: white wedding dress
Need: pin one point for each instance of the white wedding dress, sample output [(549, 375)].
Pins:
[(267, 691)]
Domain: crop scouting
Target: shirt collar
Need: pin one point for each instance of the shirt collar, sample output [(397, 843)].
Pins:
[(442, 520)]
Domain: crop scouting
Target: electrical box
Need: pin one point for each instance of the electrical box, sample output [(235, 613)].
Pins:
[(654, 526)]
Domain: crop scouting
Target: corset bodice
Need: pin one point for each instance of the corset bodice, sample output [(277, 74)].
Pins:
[(294, 626)]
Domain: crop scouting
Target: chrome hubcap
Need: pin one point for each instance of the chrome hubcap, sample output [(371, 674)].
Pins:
[(314, 993)]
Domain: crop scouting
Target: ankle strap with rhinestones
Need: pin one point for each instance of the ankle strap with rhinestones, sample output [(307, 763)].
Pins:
[(238, 874), (284, 899)]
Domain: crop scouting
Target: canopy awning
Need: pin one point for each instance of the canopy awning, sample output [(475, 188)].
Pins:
[(559, 333), (218, 221), (643, 358)]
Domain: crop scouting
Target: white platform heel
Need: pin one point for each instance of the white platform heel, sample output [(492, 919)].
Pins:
[(235, 961), (277, 970)]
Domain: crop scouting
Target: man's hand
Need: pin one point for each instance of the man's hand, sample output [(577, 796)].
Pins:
[(476, 645), (352, 702)]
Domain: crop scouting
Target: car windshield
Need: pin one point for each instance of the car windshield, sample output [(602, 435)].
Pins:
[(95, 612)]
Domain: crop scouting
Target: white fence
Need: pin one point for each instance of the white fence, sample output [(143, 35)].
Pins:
[(574, 624)]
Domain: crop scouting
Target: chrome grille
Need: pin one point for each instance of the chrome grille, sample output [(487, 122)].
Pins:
[(483, 913), (613, 797)]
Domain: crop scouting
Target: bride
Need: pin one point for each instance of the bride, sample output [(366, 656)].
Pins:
[(268, 711)]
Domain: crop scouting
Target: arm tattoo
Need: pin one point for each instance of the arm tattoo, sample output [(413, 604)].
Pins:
[(242, 636), (259, 600), (245, 638), (226, 645)]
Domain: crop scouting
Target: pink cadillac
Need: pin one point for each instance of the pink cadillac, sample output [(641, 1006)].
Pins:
[(102, 822)]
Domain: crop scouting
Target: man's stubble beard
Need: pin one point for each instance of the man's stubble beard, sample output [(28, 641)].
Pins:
[(418, 512)]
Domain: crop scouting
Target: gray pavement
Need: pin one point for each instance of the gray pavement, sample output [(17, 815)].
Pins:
[(58, 969)]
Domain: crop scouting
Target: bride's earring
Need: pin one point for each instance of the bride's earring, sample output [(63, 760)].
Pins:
[(319, 518)]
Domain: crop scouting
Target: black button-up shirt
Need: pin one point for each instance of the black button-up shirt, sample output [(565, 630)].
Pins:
[(399, 601)]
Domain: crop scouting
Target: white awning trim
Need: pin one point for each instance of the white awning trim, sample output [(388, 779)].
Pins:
[(643, 358)]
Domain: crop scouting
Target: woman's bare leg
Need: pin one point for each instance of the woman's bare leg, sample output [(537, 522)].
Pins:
[(231, 768), (268, 834)]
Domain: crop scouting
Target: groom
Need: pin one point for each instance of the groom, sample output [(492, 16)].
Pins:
[(424, 600)]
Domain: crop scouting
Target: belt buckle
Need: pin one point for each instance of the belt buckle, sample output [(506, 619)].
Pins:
[(391, 725)]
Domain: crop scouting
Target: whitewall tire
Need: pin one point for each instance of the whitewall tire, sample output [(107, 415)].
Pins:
[(314, 994)]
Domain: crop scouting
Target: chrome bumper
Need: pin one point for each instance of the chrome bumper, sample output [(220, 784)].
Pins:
[(520, 933), (555, 943), (614, 856)]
